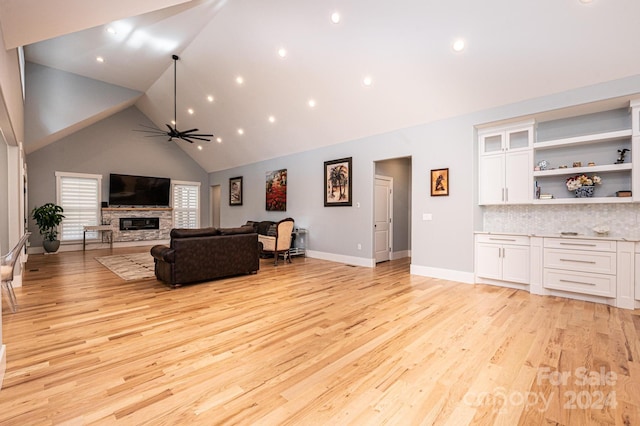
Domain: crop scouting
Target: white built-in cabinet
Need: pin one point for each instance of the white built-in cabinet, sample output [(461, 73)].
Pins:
[(504, 164), (564, 147), (502, 258)]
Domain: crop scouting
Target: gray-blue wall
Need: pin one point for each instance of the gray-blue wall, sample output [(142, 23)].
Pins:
[(440, 247), (111, 146)]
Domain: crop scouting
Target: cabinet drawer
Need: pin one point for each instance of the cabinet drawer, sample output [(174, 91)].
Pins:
[(580, 244), (580, 282), (503, 239), (575, 260)]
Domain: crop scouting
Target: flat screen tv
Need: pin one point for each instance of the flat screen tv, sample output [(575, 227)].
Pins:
[(129, 190)]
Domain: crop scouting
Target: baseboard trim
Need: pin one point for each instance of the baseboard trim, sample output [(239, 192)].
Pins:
[(400, 254), (339, 258), (94, 246), (3, 363), (445, 274)]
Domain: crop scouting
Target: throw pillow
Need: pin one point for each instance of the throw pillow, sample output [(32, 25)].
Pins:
[(272, 231)]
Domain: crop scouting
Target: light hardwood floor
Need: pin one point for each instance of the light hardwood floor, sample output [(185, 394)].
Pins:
[(309, 343)]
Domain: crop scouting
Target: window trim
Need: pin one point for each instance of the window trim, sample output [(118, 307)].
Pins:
[(60, 176), (175, 183)]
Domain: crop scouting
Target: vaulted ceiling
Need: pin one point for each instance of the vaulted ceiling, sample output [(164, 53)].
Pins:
[(384, 66)]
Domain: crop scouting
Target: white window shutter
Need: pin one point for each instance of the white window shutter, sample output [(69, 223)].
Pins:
[(186, 205), (79, 197)]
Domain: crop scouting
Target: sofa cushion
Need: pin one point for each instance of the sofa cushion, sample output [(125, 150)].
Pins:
[(273, 230), (245, 229), (189, 233)]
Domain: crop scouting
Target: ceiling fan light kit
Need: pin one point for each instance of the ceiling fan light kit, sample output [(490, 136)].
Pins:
[(173, 133)]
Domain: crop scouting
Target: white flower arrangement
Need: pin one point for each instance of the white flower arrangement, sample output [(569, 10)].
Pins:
[(579, 181)]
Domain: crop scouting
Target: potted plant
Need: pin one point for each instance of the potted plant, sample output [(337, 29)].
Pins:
[(48, 217)]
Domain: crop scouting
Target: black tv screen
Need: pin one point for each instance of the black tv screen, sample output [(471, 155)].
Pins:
[(129, 190)]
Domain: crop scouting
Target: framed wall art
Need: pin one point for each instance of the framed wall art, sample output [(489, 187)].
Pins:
[(439, 182), (235, 191), (276, 191), (337, 182)]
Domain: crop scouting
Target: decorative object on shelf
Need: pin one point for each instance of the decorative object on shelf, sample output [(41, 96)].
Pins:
[(235, 191), (585, 191), (621, 154), (546, 196), (337, 182), (577, 164), (591, 163), (276, 191), (543, 164), (564, 166), (601, 230), (439, 182), (583, 185), (48, 216), (623, 193)]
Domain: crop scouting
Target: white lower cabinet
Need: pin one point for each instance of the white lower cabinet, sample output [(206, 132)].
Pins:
[(580, 266), (596, 270), (502, 257)]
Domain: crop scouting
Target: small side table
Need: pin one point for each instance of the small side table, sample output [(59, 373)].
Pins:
[(299, 243), (100, 228)]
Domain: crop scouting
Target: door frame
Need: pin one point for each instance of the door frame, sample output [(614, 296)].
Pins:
[(373, 212)]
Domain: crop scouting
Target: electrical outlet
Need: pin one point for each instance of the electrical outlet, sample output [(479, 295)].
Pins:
[(359, 246)]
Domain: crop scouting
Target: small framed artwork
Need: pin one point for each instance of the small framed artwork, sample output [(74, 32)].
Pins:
[(337, 182), (439, 182), (235, 191)]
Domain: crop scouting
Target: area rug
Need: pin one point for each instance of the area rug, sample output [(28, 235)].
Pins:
[(134, 266)]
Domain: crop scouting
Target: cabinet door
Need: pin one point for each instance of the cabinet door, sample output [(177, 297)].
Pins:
[(519, 139), (488, 261), (491, 179), (518, 177), (515, 264), (492, 143)]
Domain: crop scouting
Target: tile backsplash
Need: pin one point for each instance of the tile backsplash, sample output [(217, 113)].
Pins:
[(622, 219)]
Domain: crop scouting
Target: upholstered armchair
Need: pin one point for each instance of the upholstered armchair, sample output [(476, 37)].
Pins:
[(280, 243)]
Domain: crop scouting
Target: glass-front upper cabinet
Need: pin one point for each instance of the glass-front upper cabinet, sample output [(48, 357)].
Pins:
[(513, 137)]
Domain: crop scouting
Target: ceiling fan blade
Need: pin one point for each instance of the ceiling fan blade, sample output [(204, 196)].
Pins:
[(188, 131), (196, 137), (201, 134), (184, 138)]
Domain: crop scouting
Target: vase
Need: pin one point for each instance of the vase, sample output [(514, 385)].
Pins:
[(584, 192)]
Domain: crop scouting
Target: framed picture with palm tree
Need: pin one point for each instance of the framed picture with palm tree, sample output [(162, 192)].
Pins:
[(337, 182)]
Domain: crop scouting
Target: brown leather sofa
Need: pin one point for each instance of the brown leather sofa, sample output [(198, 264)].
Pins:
[(204, 254)]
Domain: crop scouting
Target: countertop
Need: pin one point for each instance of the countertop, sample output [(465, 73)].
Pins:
[(609, 237)]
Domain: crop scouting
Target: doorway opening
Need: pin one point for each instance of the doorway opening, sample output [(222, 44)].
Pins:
[(392, 209)]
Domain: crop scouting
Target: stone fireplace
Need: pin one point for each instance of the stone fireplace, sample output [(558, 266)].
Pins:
[(138, 223)]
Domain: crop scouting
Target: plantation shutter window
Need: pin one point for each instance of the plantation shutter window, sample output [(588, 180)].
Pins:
[(186, 204), (79, 196)]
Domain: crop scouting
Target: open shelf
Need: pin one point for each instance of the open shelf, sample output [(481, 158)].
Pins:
[(584, 140), (583, 170)]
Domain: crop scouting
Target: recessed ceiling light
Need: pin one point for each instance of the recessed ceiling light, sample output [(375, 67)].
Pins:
[(367, 81), (173, 122), (458, 45), (112, 30), (335, 17), (586, 1), (312, 103), (241, 131), (219, 139), (210, 98), (100, 59), (190, 111), (239, 79), (272, 119), (282, 52), (200, 147)]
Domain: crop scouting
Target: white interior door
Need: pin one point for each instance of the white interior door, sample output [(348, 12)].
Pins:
[(382, 218)]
